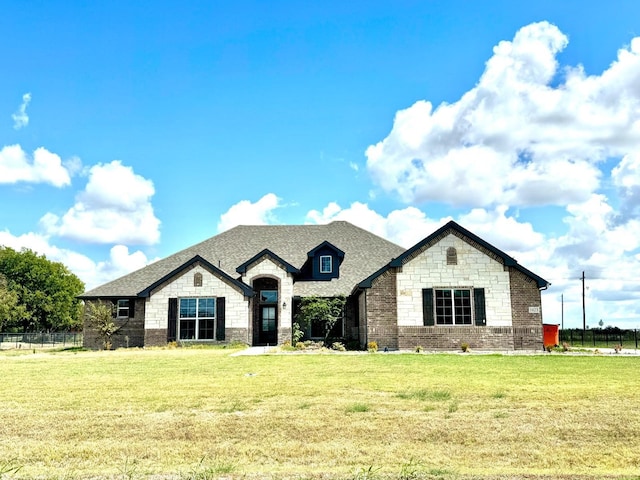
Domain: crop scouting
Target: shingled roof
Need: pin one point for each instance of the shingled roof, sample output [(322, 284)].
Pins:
[(365, 253)]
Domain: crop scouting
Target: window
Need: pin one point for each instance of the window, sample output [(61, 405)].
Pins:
[(197, 318), (197, 279), (453, 306), (268, 296), (122, 308), (268, 319), (452, 256), (325, 264)]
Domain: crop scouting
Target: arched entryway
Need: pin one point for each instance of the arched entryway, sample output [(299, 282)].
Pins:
[(265, 311)]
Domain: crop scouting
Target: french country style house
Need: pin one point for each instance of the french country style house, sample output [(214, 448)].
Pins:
[(245, 285)]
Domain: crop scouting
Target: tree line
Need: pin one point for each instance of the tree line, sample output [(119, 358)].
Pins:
[(37, 294)]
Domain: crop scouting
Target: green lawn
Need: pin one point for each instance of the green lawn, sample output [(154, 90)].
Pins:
[(201, 414)]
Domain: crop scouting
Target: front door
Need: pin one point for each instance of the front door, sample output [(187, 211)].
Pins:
[(268, 334)]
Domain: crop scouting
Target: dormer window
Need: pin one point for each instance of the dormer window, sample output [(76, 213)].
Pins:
[(326, 265)]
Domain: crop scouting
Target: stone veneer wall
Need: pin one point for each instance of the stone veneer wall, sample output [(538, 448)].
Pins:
[(382, 323), (476, 267), (157, 305), (526, 307), (267, 267)]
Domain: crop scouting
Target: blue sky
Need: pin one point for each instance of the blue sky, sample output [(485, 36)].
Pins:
[(130, 130)]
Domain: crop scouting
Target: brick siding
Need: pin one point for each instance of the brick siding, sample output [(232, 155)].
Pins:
[(526, 311), (382, 323), (451, 338)]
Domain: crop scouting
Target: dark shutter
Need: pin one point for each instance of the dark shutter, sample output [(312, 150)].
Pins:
[(173, 317), (479, 309), (427, 307), (220, 318), (132, 307)]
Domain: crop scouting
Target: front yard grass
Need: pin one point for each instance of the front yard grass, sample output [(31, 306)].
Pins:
[(202, 414)]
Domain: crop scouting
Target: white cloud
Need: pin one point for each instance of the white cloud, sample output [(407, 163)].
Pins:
[(44, 167), (92, 273), (404, 227), (20, 118), (247, 213), (626, 176), (115, 207), (515, 138)]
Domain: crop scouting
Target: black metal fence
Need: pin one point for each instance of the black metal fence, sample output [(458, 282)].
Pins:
[(40, 340), (600, 338)]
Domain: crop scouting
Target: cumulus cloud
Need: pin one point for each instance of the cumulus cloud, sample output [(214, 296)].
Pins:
[(20, 117), (626, 177), (44, 167), (247, 213), (120, 261), (521, 136), (404, 227), (115, 207)]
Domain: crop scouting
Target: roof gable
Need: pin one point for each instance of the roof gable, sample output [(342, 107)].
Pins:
[(244, 288), (268, 253), (466, 235)]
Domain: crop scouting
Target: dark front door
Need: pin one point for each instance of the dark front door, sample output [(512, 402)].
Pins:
[(268, 325)]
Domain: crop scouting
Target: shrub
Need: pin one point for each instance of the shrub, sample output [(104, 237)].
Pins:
[(618, 348), (300, 346), (372, 347), (464, 346), (418, 348), (338, 347)]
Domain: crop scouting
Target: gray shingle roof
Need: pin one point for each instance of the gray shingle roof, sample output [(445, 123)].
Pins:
[(365, 253)]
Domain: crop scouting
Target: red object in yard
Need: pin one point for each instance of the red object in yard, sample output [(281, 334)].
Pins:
[(550, 335)]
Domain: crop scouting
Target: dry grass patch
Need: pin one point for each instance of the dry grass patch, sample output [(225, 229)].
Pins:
[(199, 413)]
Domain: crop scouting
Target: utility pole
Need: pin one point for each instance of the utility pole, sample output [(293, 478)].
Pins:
[(584, 318)]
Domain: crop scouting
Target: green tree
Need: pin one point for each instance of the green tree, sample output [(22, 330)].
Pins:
[(327, 311), (11, 312), (47, 290)]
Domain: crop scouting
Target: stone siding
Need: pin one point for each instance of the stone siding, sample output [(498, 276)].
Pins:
[(157, 305), (382, 326), (476, 267), (267, 267)]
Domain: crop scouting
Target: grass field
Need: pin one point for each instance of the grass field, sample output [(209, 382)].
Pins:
[(203, 414)]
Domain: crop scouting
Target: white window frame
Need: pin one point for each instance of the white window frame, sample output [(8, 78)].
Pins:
[(121, 307), (197, 318), (322, 269)]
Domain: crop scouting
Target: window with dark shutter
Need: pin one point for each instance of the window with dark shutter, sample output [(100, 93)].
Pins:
[(479, 307), (427, 307), (172, 319), (220, 323)]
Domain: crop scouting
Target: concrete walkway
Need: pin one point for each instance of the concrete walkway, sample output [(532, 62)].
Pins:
[(253, 351)]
